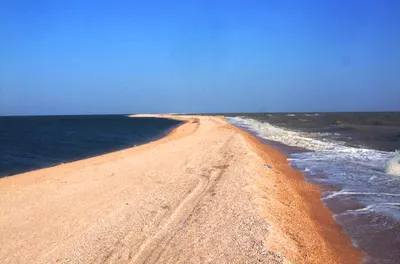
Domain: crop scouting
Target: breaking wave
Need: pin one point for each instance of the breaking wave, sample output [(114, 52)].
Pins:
[(393, 165), (367, 189), (271, 132), (326, 149)]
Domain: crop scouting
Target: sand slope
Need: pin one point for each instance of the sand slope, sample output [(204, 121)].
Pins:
[(200, 195)]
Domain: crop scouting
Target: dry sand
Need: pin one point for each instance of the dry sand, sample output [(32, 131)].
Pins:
[(200, 195)]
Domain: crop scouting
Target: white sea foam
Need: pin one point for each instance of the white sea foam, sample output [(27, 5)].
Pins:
[(364, 175), (389, 209), (335, 194), (393, 165), (366, 178), (328, 155), (271, 132)]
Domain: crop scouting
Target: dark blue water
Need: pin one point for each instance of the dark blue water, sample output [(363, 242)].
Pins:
[(31, 143)]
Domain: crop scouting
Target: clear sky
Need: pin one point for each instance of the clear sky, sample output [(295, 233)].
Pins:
[(88, 57)]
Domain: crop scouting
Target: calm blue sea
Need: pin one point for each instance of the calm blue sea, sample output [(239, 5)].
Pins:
[(35, 142)]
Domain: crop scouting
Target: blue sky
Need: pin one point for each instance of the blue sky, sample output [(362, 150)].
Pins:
[(96, 57)]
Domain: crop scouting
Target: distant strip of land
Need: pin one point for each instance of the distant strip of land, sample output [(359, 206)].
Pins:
[(206, 193)]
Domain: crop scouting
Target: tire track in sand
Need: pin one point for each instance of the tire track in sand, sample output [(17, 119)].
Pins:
[(152, 247)]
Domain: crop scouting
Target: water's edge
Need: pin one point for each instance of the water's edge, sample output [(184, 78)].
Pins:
[(40, 152), (356, 226)]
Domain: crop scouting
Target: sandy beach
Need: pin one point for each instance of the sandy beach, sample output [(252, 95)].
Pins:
[(200, 195)]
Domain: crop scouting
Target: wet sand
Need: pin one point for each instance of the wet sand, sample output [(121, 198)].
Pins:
[(200, 195)]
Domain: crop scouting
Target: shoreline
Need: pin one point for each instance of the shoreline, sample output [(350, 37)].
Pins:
[(309, 196), (178, 131), (298, 227)]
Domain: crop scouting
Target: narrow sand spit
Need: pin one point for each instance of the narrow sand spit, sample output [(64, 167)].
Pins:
[(200, 195)]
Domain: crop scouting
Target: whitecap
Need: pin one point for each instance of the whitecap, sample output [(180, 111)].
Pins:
[(393, 165)]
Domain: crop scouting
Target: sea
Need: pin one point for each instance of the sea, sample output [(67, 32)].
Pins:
[(353, 158), (33, 142)]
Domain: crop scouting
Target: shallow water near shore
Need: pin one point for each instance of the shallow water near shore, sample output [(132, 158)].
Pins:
[(35, 142), (352, 156)]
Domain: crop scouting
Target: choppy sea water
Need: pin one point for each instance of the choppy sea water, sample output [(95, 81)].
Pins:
[(354, 154), (35, 142)]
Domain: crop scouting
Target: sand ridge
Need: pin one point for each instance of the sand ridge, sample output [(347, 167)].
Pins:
[(200, 195)]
